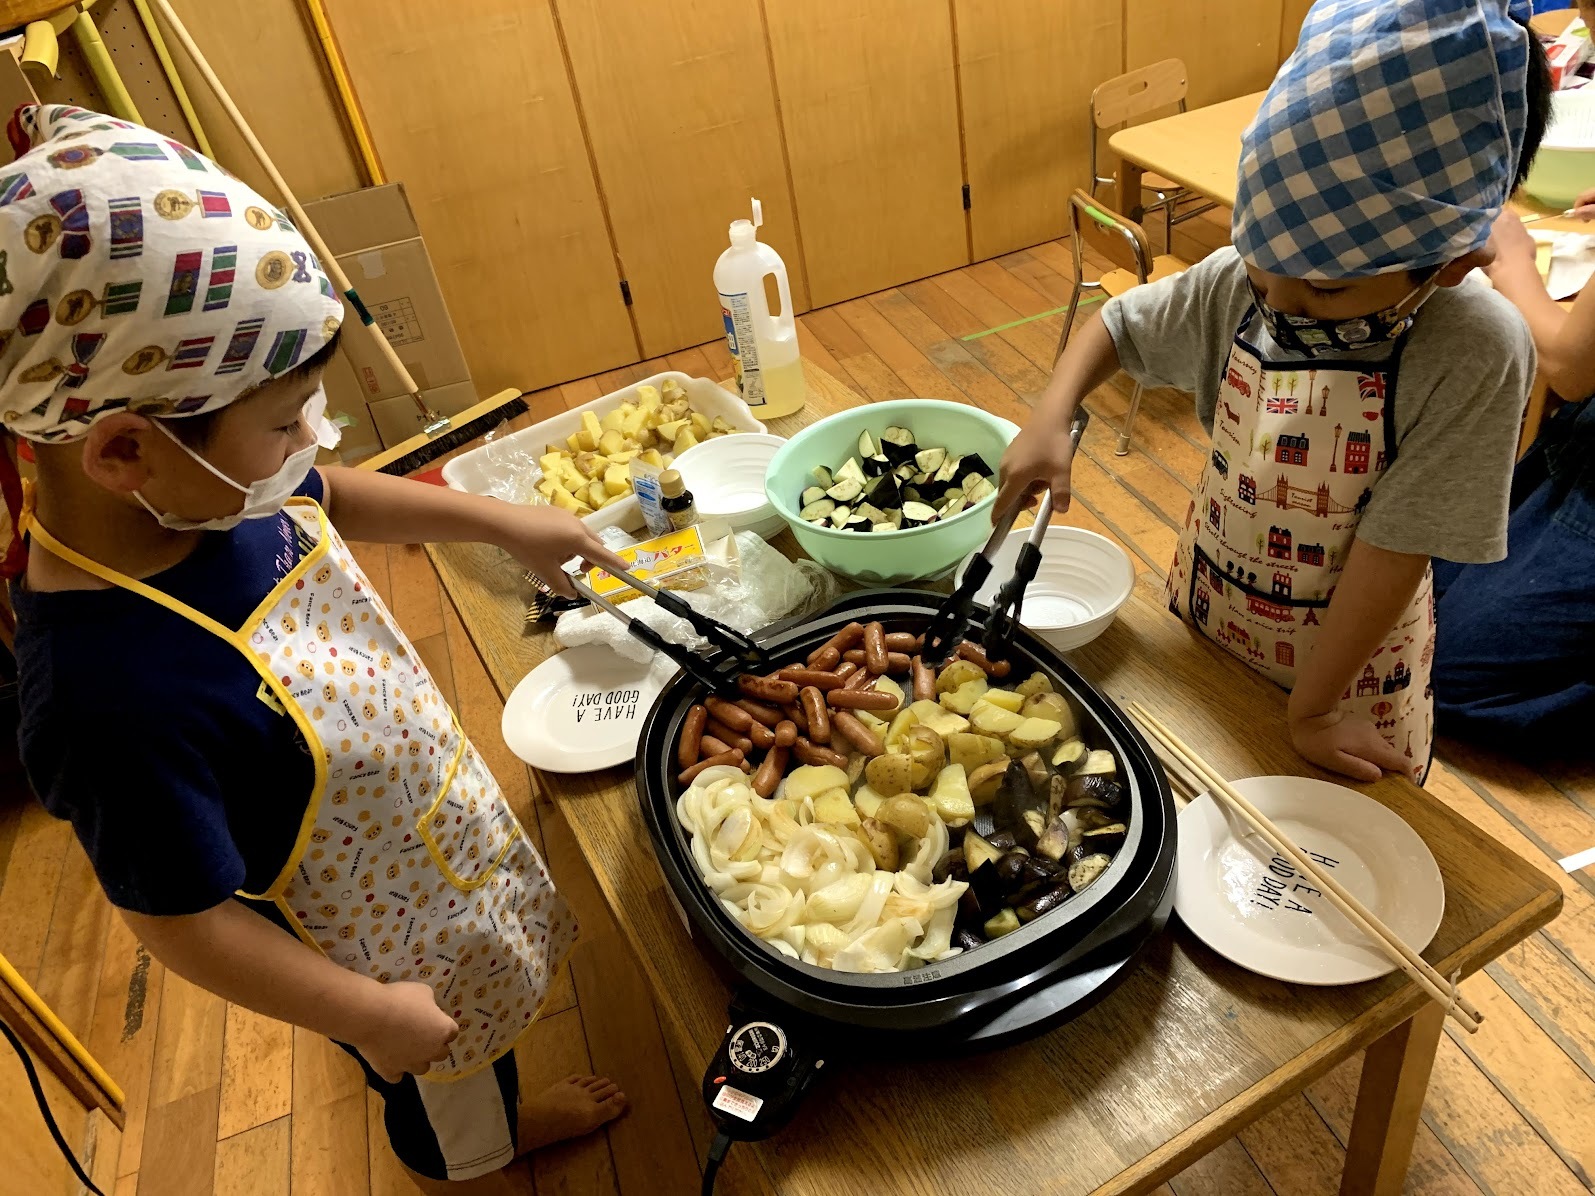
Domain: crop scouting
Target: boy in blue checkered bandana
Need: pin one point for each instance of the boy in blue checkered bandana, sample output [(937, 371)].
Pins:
[(1362, 391)]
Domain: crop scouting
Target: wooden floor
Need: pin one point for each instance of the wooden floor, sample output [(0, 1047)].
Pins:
[(224, 1102)]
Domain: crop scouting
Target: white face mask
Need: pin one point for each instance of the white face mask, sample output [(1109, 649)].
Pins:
[(266, 496)]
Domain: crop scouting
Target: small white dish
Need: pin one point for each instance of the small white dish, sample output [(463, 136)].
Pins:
[(726, 477), (583, 709), (1083, 580), (1255, 910)]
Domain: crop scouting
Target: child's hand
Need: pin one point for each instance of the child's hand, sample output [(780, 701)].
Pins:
[(544, 538), (1037, 457), (1513, 247), (410, 1033), (1350, 746)]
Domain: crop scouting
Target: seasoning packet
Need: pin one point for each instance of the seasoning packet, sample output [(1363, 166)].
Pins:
[(681, 560)]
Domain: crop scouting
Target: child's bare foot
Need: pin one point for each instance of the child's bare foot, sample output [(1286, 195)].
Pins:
[(570, 1108)]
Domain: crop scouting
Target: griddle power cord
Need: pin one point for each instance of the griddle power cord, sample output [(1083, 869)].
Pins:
[(711, 1168), (49, 1117)]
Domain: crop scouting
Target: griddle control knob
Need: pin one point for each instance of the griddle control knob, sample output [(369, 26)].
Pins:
[(757, 1047)]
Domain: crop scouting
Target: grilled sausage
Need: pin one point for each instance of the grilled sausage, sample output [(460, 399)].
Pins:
[(710, 746), (785, 733), (977, 657), (875, 657), (731, 715), (731, 757), (770, 772), (924, 680), (902, 641), (718, 730), (841, 641), (761, 735), (819, 719), (768, 715), (822, 679), (861, 699), (813, 753), (896, 662), (766, 689), (689, 750), (849, 728)]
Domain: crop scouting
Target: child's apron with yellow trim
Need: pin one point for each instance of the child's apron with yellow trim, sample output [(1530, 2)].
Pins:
[(409, 864)]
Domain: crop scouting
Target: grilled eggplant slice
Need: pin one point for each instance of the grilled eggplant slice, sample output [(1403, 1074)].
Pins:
[(967, 940), (1087, 869), (1094, 790), (1106, 839), (951, 866), (1018, 808), (1070, 754), (1049, 900), (1002, 923), (987, 887), (978, 851)]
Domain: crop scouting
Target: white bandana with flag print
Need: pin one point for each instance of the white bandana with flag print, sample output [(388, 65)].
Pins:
[(136, 274)]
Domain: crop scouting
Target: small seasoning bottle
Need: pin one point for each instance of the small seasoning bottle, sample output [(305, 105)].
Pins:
[(676, 500)]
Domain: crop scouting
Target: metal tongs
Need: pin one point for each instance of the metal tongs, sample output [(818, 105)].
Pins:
[(952, 620), (738, 653)]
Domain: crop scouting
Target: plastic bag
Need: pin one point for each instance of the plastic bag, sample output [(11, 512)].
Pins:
[(513, 469), (766, 589)]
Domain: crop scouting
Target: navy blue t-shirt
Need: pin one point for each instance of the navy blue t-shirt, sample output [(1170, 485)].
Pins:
[(155, 737)]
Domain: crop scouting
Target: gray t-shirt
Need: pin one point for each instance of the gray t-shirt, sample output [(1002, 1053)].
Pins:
[(1460, 390)]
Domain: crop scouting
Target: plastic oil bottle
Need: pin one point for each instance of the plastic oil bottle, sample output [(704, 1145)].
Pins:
[(764, 346)]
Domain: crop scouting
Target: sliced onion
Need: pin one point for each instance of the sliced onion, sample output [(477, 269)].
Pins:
[(838, 902)]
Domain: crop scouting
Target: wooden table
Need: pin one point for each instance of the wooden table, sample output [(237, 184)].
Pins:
[(1188, 1051), (1201, 149)]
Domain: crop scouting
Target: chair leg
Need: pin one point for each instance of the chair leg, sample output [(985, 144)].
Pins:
[(1068, 320), (1129, 423), (1168, 227)]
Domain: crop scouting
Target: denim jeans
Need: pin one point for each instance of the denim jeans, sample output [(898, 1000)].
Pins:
[(1515, 655)]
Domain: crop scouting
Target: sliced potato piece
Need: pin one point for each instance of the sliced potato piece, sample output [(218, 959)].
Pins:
[(1006, 698), (617, 480), (956, 674), (882, 843), (950, 796), (991, 719), (926, 753), (836, 807), (962, 700), (983, 781), (1033, 733), (892, 772), (942, 721), (811, 780), (973, 750), (903, 720), (1035, 685), (867, 801), (907, 814)]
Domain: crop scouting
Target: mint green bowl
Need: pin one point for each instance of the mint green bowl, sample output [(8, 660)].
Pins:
[(1565, 166), (888, 558)]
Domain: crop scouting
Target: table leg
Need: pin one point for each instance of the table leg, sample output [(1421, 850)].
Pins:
[(1128, 197), (1395, 1077)]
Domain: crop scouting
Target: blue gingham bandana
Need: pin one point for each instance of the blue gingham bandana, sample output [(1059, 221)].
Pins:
[(1389, 139)]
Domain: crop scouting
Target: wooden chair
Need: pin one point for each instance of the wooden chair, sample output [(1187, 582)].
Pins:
[(1124, 98), (1125, 244)]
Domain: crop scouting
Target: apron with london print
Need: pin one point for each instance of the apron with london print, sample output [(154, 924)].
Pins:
[(409, 864), (1297, 450)]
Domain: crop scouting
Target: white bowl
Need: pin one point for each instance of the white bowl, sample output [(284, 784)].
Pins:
[(726, 477), (1083, 580)]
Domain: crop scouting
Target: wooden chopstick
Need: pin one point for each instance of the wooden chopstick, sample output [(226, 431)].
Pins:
[(1181, 777), (1442, 990)]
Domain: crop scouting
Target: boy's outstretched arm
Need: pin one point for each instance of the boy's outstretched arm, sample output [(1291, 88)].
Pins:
[(367, 505), (235, 953), (1374, 588), (1042, 453)]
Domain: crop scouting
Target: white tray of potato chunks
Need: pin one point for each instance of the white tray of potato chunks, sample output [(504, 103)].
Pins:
[(583, 456)]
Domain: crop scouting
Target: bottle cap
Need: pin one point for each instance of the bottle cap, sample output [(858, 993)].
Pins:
[(671, 485)]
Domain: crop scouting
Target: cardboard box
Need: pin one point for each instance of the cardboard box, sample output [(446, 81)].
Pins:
[(374, 237), (398, 419), (346, 407)]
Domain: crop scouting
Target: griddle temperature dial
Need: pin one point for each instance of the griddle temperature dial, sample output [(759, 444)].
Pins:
[(757, 1047), (757, 1077)]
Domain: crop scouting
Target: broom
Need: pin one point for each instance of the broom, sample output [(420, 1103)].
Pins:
[(440, 434)]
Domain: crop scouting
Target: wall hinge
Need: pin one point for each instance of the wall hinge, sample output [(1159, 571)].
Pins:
[(966, 197), (625, 291)]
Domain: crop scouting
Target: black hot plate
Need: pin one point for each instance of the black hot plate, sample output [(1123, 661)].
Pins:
[(1043, 974)]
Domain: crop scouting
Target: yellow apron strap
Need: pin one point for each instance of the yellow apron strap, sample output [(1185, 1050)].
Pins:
[(112, 577)]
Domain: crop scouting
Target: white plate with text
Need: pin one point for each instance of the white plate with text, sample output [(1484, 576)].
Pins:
[(1256, 910), (583, 709)]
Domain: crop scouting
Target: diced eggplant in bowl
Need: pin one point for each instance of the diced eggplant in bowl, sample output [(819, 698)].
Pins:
[(893, 483)]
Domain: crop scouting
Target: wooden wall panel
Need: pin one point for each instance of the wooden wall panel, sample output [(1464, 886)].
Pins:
[(267, 58), (471, 108), (680, 108), (1230, 47), (1028, 68), (868, 102), (1294, 13)]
